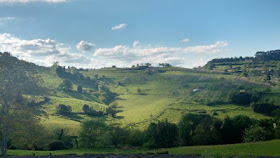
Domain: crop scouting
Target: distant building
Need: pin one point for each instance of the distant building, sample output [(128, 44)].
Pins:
[(195, 90)]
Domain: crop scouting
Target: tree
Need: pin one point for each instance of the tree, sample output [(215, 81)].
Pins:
[(240, 123), (63, 109), (117, 135), (162, 134), (187, 125), (63, 136), (14, 83), (80, 89), (66, 85), (139, 91), (255, 133), (94, 133), (29, 133)]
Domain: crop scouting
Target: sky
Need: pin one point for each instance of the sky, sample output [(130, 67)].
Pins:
[(102, 33)]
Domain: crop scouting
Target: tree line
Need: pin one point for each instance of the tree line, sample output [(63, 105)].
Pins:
[(192, 129)]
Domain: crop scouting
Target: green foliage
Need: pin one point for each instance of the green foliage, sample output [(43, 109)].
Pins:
[(240, 98), (66, 85), (240, 123), (138, 91), (63, 109), (117, 135), (207, 132), (56, 145), (94, 133), (111, 111), (79, 89), (136, 137), (63, 136), (256, 133), (162, 134), (264, 108), (90, 111)]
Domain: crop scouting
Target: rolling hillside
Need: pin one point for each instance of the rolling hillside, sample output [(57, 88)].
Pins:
[(141, 95)]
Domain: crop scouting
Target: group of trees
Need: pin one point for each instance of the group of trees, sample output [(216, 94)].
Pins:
[(252, 99), (192, 129), (111, 110), (268, 55)]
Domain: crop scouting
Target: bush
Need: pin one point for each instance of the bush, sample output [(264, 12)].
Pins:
[(240, 98), (63, 109), (263, 108), (80, 89), (56, 145), (256, 133)]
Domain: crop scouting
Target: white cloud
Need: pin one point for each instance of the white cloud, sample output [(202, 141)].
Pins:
[(40, 51), (6, 19), (27, 1), (135, 43), (207, 49), (85, 46), (145, 51), (173, 55), (118, 27), (46, 51), (186, 40)]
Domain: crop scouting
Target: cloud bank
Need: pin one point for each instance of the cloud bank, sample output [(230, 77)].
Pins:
[(40, 51), (173, 55), (46, 51)]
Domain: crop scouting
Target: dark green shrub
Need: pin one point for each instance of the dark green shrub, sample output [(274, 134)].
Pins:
[(56, 145)]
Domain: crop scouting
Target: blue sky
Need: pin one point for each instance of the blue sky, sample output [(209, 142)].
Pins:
[(99, 33)]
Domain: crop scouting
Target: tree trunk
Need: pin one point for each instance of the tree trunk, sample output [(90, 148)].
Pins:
[(4, 145)]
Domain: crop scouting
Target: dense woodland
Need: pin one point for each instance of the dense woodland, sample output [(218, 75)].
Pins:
[(24, 97)]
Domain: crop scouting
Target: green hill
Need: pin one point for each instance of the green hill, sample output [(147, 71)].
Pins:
[(142, 95)]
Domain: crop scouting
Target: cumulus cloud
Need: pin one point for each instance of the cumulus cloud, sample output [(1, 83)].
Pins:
[(85, 46), (40, 51), (186, 40), (27, 1), (118, 27)]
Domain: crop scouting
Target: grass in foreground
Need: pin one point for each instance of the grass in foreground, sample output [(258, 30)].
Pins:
[(79, 151), (267, 148)]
